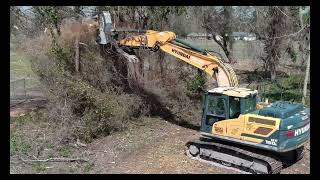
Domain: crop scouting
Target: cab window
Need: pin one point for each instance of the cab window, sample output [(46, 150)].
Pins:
[(249, 104), (234, 107), (216, 106)]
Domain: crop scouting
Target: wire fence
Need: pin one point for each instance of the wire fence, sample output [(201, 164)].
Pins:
[(18, 89), (24, 89)]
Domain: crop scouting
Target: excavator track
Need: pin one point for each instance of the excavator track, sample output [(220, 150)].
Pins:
[(240, 158)]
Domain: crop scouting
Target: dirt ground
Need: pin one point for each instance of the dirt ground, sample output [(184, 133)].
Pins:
[(151, 149), (151, 145), (25, 106)]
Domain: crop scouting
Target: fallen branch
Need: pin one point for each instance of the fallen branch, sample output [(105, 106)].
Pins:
[(81, 43), (80, 144), (56, 160)]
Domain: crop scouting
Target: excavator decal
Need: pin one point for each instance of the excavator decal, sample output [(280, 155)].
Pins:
[(181, 53)]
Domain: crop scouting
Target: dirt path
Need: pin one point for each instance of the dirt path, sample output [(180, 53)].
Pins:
[(158, 147), (152, 145)]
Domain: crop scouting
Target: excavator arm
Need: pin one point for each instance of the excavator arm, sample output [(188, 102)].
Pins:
[(169, 43), (201, 59)]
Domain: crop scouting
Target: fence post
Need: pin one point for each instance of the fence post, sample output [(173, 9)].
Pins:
[(14, 93), (24, 87)]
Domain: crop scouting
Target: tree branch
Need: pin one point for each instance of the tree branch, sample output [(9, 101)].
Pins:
[(287, 35), (55, 160), (216, 40)]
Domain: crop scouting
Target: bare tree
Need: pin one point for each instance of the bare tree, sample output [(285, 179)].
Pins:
[(271, 25), (306, 38), (273, 46), (219, 22)]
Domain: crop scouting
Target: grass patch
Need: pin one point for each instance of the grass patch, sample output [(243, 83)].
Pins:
[(18, 145), (50, 146), (65, 152), (18, 141), (20, 120), (32, 117), (39, 167), (50, 156), (20, 67), (88, 167)]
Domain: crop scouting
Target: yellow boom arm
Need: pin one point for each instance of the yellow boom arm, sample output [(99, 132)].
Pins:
[(207, 62)]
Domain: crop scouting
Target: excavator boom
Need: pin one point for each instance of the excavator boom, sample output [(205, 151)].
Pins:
[(167, 42)]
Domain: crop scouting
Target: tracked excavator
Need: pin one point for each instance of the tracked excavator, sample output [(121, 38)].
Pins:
[(236, 130)]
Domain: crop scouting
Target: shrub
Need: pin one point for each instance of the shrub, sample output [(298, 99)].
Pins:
[(287, 89), (86, 104), (197, 83)]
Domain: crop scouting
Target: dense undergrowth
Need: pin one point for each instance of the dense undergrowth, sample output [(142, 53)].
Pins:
[(98, 99), (87, 102)]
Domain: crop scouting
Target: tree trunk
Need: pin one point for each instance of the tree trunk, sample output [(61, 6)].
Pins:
[(305, 84), (273, 46), (77, 55), (77, 10), (230, 53), (227, 51), (273, 72)]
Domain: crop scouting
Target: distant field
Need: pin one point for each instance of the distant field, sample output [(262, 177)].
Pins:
[(20, 68), (242, 50)]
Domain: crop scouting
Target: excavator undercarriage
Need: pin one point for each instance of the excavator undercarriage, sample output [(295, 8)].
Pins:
[(235, 156)]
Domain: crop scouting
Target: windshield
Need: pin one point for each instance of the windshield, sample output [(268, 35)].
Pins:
[(216, 106), (249, 104), (234, 107)]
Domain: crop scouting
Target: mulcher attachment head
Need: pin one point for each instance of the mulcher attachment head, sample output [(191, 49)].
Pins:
[(105, 28)]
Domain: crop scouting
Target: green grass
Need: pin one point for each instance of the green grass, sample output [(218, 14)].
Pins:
[(65, 152), (18, 145), (20, 67), (50, 146), (88, 167), (39, 167), (20, 120), (50, 156), (17, 141)]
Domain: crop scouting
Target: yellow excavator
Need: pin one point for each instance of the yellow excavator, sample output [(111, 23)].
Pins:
[(236, 131)]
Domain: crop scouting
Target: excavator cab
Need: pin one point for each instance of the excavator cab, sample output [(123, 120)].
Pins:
[(226, 103)]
